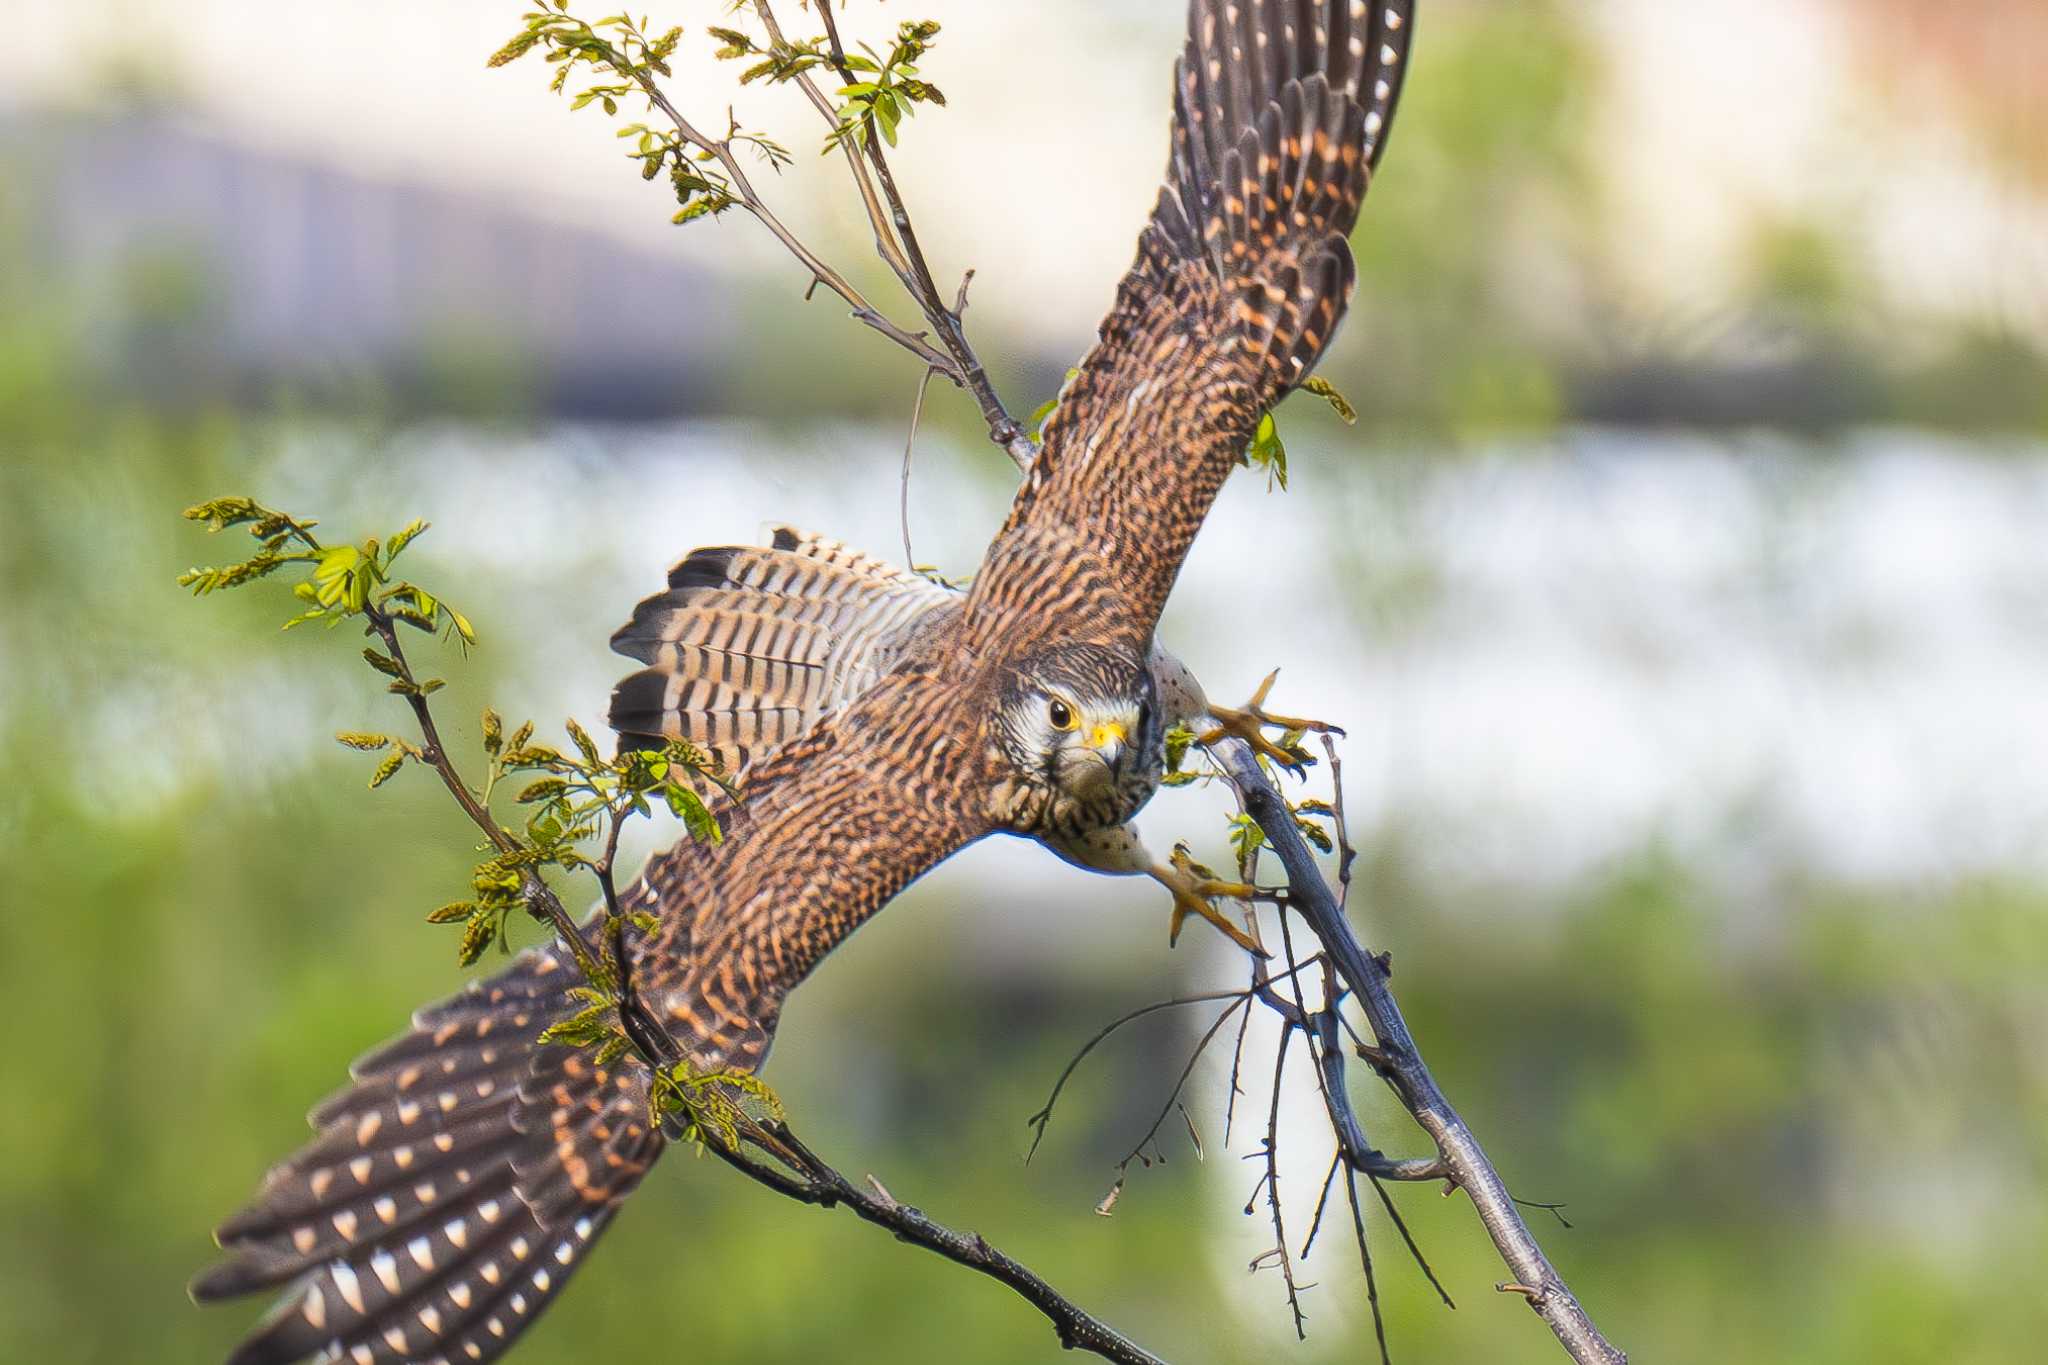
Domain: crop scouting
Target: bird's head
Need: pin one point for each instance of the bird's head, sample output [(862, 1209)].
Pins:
[(1079, 727)]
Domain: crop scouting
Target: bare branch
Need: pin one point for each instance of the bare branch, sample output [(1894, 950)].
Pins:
[(903, 490), (1398, 1059), (1039, 1120), (1372, 1284), (811, 1181), (1271, 1183)]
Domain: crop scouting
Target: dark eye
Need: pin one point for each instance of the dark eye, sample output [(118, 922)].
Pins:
[(1062, 715)]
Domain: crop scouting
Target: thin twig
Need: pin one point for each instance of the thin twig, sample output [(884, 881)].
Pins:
[(1271, 1181), (821, 273), (909, 444), (1040, 1119), (1372, 1284), (878, 217), (535, 892), (1137, 1153)]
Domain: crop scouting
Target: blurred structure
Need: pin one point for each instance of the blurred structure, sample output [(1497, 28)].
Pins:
[(206, 264)]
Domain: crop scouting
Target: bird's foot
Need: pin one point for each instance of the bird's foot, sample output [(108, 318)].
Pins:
[(1194, 887), (1251, 722)]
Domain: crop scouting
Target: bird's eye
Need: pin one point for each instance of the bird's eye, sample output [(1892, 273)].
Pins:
[(1062, 715)]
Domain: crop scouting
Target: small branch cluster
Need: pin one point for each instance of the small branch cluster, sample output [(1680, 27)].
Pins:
[(877, 91), (1393, 1055)]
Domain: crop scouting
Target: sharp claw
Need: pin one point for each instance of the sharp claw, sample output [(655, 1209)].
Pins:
[(1191, 896), (1250, 722)]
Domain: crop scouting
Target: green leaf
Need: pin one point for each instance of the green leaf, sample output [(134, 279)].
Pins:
[(1315, 834), (387, 769), (584, 743), (451, 912), (477, 936), (546, 789), (404, 538), (587, 1026), (494, 732), (1325, 390), (533, 755), (696, 816), (1267, 451), (514, 50), (368, 743), (384, 664), (1246, 838)]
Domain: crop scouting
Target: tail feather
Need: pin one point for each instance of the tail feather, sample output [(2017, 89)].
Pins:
[(751, 645), (450, 1192)]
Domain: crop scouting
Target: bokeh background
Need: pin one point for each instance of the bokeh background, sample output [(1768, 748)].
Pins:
[(1684, 589)]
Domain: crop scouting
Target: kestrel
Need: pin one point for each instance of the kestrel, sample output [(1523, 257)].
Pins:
[(461, 1178), (752, 646)]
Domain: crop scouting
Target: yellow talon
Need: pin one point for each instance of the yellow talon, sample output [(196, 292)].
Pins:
[(1249, 723), (1192, 889)]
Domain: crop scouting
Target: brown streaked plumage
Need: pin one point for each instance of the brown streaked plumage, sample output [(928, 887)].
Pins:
[(877, 729)]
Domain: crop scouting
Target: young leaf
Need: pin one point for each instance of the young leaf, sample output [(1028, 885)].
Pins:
[(387, 769)]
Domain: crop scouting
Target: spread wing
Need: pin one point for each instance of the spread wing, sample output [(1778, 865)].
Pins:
[(1281, 108), (833, 825)]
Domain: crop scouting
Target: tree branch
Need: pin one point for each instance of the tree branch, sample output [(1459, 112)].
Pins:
[(815, 1182), (1399, 1061), (896, 243), (721, 151)]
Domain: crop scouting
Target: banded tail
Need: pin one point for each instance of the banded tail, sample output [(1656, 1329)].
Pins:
[(452, 1191), (750, 646)]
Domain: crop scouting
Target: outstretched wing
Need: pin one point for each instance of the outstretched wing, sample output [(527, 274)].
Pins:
[(1281, 108), (833, 825), (464, 1175)]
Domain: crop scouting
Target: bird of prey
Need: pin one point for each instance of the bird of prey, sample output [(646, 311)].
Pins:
[(462, 1176), (752, 646)]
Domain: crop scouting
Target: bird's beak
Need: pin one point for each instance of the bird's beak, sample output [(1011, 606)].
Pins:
[(1108, 739)]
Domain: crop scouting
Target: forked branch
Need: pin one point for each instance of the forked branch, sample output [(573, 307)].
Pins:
[(1395, 1057)]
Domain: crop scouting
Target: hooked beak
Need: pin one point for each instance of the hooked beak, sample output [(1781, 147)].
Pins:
[(1108, 740)]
